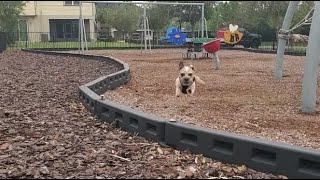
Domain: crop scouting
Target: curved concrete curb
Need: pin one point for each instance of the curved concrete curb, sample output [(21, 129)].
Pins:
[(258, 154)]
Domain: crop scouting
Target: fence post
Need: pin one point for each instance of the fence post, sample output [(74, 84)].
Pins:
[(273, 45), (153, 39), (26, 45), (3, 41)]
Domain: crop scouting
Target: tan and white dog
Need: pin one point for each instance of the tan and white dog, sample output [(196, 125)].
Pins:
[(186, 82)]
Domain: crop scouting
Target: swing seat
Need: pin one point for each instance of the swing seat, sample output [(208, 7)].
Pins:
[(212, 46)]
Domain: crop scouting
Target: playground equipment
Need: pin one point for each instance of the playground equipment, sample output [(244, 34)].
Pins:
[(195, 45), (233, 35), (309, 83), (82, 32), (146, 35), (205, 46), (195, 48), (175, 36), (213, 47), (239, 36)]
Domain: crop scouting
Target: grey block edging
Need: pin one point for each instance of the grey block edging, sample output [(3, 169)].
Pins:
[(255, 153)]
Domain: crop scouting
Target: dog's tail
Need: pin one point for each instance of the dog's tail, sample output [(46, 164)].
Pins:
[(198, 80)]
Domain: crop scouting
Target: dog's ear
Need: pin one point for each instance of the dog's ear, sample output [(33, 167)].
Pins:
[(191, 66), (181, 65)]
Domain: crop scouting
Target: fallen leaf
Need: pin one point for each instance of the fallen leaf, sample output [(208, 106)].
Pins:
[(212, 172), (182, 175), (44, 170), (204, 160), (49, 156), (4, 146), (100, 171), (239, 177), (282, 177), (167, 151), (192, 169), (241, 169), (35, 174), (150, 158), (160, 151), (189, 174), (216, 165), (53, 142), (196, 160), (227, 169), (200, 160), (19, 138), (3, 171), (4, 156), (180, 169)]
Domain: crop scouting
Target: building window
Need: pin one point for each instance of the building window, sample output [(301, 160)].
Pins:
[(64, 29), (71, 3)]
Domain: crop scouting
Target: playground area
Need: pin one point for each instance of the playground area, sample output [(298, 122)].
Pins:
[(57, 119), (242, 97), (47, 133)]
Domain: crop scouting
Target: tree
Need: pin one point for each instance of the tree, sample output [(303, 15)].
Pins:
[(263, 17), (123, 17), (9, 17), (226, 13), (159, 17), (191, 14)]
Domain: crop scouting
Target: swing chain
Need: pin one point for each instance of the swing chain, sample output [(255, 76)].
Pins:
[(284, 34)]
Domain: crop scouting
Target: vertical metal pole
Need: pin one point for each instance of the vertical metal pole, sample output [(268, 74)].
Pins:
[(145, 27), (85, 35), (282, 42), (309, 83), (79, 33), (216, 60), (202, 21), (81, 28), (80, 13), (149, 33)]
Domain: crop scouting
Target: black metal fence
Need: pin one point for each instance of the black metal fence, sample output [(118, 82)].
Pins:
[(45, 40), (290, 48), (112, 40)]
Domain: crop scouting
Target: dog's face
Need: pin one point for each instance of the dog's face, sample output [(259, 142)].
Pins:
[(187, 74)]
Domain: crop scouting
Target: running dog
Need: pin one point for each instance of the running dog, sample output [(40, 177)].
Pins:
[(186, 82)]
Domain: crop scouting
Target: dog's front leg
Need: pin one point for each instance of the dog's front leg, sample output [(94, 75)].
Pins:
[(178, 87), (191, 89), (177, 92)]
